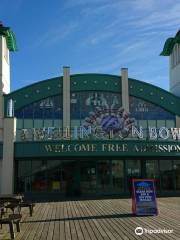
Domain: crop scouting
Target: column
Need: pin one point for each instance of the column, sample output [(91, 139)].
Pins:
[(66, 97), (4, 67), (1, 132), (7, 179), (177, 121), (125, 89)]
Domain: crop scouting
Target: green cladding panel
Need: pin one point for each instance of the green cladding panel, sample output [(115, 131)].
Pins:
[(94, 82), (10, 38), (169, 44), (106, 148), (1, 150)]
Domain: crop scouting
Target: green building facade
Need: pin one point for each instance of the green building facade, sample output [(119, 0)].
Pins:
[(86, 134)]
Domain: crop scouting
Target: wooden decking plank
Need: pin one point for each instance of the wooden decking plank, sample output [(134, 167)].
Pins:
[(111, 222), (115, 228), (93, 223), (121, 223), (67, 224), (94, 234), (88, 232), (140, 222), (62, 223), (95, 220), (42, 217), (25, 228), (129, 220), (154, 223), (46, 223), (78, 222), (52, 222), (71, 222), (56, 226), (34, 224), (86, 226), (98, 225)]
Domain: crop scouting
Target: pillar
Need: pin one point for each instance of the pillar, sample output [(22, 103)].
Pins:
[(125, 89), (66, 97), (1, 132), (7, 178), (4, 67), (178, 121), (7, 125)]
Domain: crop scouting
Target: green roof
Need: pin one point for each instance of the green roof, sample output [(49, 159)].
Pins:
[(93, 82), (169, 44), (10, 38)]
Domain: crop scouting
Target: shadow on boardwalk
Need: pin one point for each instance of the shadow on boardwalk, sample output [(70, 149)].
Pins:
[(98, 219), (127, 215)]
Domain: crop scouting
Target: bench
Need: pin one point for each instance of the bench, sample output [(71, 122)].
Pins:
[(11, 220), (20, 203), (30, 205)]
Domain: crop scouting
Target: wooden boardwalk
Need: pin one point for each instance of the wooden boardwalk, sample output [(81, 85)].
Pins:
[(96, 219)]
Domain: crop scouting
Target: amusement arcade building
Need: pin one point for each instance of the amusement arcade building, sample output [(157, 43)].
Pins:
[(88, 134)]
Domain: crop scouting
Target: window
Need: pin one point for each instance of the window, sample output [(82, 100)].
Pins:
[(177, 173), (84, 104), (117, 175), (103, 171), (152, 171), (166, 173), (44, 113)]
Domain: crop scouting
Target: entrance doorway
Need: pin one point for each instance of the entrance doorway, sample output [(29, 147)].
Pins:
[(88, 177), (133, 170), (70, 178)]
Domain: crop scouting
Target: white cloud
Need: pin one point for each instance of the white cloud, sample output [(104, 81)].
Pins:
[(143, 4), (164, 17), (75, 3), (55, 34)]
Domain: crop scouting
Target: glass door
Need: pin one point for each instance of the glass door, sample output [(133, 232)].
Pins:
[(88, 176), (103, 173), (133, 170), (117, 176), (177, 174), (70, 178), (54, 176), (167, 175), (152, 171)]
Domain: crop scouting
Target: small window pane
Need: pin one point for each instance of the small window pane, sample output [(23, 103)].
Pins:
[(28, 123), (38, 123)]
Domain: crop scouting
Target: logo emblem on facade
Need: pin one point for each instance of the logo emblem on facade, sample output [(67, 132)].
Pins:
[(110, 119)]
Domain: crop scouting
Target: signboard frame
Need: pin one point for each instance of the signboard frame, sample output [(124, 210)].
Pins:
[(136, 202)]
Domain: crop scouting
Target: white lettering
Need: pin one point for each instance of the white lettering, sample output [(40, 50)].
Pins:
[(164, 133), (175, 133), (85, 132), (136, 132), (152, 133)]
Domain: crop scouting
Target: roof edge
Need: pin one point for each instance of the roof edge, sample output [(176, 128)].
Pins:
[(169, 44)]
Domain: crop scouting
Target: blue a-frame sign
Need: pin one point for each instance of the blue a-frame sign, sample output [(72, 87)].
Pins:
[(144, 197)]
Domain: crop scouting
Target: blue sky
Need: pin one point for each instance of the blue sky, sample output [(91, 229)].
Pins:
[(90, 36)]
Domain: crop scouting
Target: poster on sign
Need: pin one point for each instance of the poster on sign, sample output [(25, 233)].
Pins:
[(144, 197)]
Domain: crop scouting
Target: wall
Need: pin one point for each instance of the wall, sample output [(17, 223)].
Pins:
[(4, 67), (7, 183), (174, 78), (0, 173)]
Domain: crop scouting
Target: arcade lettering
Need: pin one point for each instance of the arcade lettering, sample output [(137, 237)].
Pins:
[(108, 147), (97, 133)]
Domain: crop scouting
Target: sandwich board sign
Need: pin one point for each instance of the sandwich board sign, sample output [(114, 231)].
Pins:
[(144, 197)]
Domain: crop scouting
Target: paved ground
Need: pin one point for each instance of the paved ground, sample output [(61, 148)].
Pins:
[(96, 219)]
